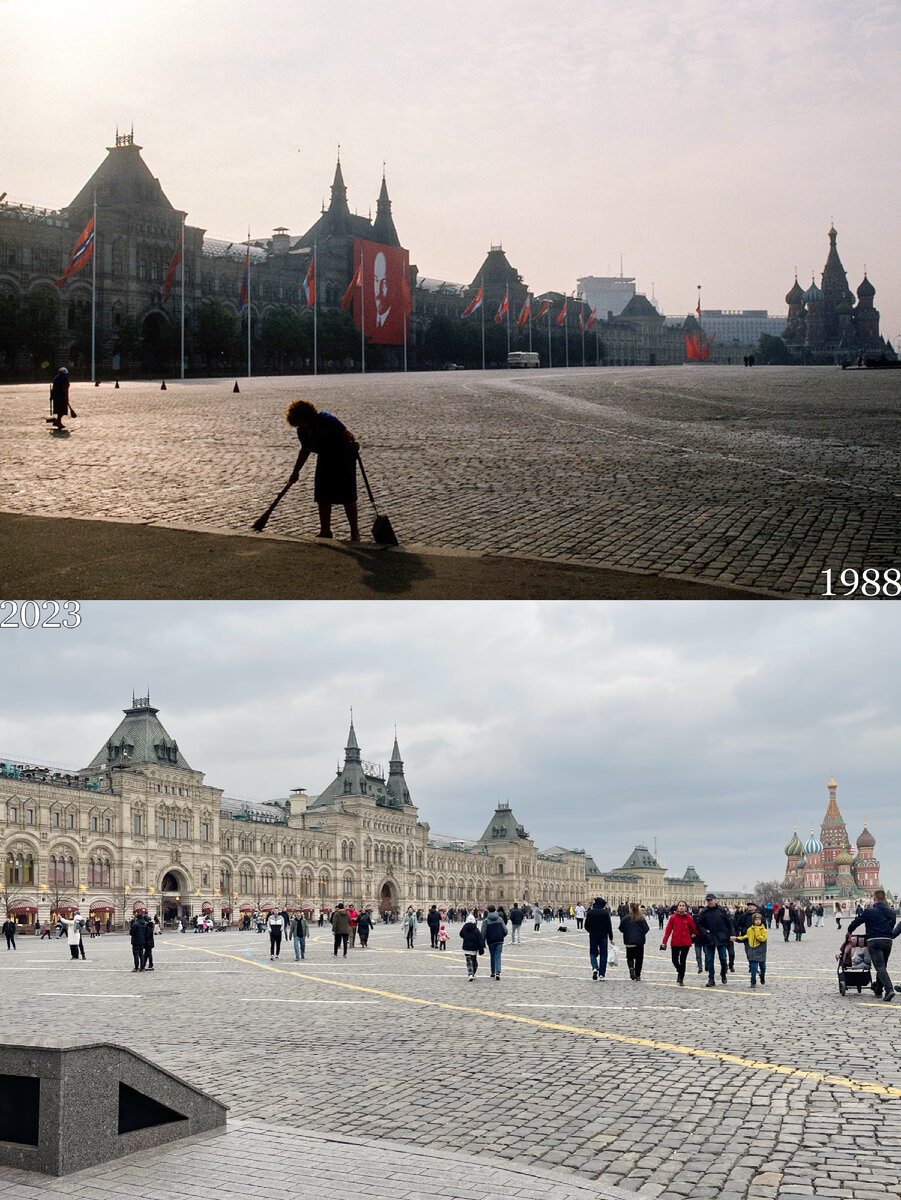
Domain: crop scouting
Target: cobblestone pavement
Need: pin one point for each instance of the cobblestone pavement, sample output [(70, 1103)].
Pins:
[(761, 478), (727, 1093)]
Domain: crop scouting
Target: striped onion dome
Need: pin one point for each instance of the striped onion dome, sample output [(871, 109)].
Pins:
[(813, 845), (794, 847)]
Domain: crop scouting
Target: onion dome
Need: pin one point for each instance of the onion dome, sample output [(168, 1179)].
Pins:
[(794, 847), (866, 838), (844, 858), (866, 289), (813, 294), (796, 295), (813, 845)]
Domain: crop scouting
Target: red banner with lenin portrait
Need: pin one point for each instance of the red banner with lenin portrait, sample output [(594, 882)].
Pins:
[(382, 299)]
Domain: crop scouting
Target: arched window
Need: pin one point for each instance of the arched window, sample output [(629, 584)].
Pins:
[(306, 884), (348, 886), (287, 883), (323, 886), (225, 880), (245, 878), (267, 881)]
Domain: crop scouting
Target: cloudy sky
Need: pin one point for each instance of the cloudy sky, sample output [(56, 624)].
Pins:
[(712, 727), (708, 143)]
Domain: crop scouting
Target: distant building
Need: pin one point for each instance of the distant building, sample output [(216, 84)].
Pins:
[(829, 867), (824, 325), (138, 828), (608, 294)]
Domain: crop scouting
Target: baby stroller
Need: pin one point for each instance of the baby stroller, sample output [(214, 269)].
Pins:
[(854, 965)]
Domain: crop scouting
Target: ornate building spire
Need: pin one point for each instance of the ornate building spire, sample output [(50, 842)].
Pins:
[(397, 784)]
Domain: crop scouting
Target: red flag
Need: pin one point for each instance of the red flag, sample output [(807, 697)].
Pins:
[(173, 267), (592, 319), (545, 305), (357, 281), (561, 316), (474, 304), (81, 252), (406, 300), (502, 308), (245, 280), (309, 284), (524, 312)]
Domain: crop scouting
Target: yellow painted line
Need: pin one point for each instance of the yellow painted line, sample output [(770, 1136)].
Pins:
[(854, 1085)]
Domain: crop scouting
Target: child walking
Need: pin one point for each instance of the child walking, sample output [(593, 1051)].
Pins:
[(755, 948), (442, 938), (473, 945)]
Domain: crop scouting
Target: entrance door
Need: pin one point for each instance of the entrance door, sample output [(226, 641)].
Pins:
[(388, 898)]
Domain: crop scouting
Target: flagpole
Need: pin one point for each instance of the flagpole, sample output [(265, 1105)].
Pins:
[(183, 295), (582, 325), (566, 328), (315, 308), (507, 294), (248, 302), (482, 306), (528, 301), (362, 318), (94, 293), (549, 357)]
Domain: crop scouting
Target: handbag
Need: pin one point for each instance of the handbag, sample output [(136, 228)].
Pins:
[(612, 956)]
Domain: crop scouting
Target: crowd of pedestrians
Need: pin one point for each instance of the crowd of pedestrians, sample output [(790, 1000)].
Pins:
[(711, 929)]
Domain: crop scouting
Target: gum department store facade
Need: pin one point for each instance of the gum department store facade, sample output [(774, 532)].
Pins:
[(139, 828)]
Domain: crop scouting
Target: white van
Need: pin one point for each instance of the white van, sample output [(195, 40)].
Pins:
[(523, 358)]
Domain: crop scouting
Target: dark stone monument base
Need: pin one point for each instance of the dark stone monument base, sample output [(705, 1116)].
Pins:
[(66, 1108)]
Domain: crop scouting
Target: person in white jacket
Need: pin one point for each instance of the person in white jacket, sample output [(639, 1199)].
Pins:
[(72, 926)]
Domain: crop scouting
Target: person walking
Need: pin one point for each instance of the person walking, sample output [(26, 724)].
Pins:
[(634, 929), (275, 924), (516, 917), (409, 926), (715, 927), (442, 936), (754, 937), (838, 911), (879, 922), (680, 932), (797, 914), (340, 923), (364, 927), (599, 928), (9, 932), (336, 448), (299, 931), (536, 917), (59, 398), (473, 945), (45, 931), (433, 920), (353, 916), (579, 913), (784, 918), (494, 930)]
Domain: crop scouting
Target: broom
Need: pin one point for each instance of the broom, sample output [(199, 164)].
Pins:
[(260, 523), (382, 533)]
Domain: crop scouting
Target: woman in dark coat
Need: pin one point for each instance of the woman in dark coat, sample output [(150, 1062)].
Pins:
[(59, 398), (634, 929), (335, 447)]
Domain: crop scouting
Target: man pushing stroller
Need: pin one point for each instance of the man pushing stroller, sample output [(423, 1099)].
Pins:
[(879, 920)]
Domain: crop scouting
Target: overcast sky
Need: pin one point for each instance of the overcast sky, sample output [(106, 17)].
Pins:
[(709, 142), (712, 727)]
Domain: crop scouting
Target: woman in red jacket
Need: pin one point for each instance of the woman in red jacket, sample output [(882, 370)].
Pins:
[(681, 932)]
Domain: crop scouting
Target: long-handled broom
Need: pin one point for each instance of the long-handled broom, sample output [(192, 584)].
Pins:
[(260, 523), (382, 533)]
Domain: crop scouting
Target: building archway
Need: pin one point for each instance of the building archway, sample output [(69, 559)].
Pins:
[(174, 889), (388, 901)]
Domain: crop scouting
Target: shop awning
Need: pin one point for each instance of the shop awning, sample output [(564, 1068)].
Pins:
[(102, 908), (244, 908), (66, 910), (207, 908), (20, 910), (139, 908)]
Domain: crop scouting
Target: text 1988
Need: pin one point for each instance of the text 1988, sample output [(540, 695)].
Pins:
[(869, 582)]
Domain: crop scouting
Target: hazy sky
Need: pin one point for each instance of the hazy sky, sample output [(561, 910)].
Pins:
[(709, 142), (712, 727)]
